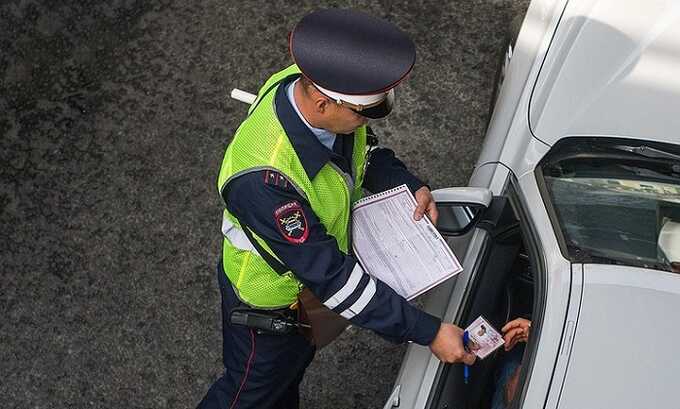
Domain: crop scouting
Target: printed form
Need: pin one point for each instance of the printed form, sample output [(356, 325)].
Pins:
[(410, 256)]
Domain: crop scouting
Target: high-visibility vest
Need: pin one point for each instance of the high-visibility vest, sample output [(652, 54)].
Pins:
[(260, 144)]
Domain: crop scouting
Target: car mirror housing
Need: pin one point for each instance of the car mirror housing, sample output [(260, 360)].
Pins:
[(460, 208)]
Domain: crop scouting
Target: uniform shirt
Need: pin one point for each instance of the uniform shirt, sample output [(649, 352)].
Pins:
[(335, 278)]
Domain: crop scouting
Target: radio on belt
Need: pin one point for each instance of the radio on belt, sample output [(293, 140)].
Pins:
[(264, 321)]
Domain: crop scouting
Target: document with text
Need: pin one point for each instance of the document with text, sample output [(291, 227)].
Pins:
[(410, 256)]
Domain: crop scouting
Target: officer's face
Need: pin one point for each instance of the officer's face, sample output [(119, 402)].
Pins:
[(325, 113), (341, 119)]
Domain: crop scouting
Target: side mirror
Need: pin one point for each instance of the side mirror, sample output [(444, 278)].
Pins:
[(460, 208)]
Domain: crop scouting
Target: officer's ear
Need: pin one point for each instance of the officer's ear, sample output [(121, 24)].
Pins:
[(321, 104)]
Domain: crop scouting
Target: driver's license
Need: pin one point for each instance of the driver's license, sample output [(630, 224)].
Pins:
[(485, 337)]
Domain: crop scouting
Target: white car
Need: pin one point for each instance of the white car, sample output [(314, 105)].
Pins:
[(572, 217)]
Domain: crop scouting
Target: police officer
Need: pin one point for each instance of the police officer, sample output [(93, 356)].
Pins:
[(288, 179)]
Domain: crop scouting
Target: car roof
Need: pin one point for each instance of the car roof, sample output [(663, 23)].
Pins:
[(612, 69)]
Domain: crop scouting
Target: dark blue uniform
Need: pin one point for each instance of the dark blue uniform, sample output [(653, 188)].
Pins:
[(266, 369)]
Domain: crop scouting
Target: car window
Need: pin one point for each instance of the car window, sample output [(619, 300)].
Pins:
[(615, 201)]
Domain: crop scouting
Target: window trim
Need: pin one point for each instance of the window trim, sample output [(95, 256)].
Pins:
[(537, 259)]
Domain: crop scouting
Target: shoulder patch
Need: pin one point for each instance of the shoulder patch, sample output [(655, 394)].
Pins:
[(274, 178), (291, 221)]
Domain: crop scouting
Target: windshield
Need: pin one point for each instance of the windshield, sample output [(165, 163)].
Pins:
[(616, 201)]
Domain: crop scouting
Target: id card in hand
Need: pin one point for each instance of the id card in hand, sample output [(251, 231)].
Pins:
[(485, 337)]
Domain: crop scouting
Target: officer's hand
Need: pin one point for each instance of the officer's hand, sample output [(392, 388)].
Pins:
[(426, 205), (448, 345)]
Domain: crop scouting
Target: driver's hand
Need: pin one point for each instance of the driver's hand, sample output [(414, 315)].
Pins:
[(516, 331)]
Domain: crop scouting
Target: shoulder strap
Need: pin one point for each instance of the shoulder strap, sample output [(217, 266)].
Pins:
[(275, 264), (261, 97), (273, 85)]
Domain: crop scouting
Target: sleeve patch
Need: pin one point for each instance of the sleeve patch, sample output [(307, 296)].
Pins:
[(274, 178), (291, 221)]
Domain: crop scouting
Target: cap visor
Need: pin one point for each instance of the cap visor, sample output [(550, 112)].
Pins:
[(381, 110)]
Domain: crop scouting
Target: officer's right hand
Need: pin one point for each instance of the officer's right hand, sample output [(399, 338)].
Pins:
[(448, 345)]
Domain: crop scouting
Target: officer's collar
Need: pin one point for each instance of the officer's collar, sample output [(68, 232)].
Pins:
[(312, 154)]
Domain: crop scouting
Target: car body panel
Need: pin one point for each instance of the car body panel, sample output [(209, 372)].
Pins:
[(525, 159), (538, 104), (509, 123), (607, 73), (562, 362), (626, 340)]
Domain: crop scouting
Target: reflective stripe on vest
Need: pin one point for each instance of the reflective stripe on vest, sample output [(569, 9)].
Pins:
[(236, 236)]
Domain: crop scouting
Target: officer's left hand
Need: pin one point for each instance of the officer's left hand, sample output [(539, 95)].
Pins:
[(426, 205)]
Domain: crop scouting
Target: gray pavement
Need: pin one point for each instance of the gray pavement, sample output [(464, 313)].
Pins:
[(113, 121)]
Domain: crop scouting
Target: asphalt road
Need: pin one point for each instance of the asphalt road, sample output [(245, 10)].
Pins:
[(114, 117)]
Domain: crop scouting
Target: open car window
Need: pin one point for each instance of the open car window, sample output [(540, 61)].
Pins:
[(615, 201), (502, 290)]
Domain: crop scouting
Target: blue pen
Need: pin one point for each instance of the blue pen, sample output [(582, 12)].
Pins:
[(466, 369)]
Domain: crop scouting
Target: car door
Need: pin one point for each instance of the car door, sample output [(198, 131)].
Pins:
[(420, 370)]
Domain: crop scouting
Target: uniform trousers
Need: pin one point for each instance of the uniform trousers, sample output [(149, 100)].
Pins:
[(261, 371)]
